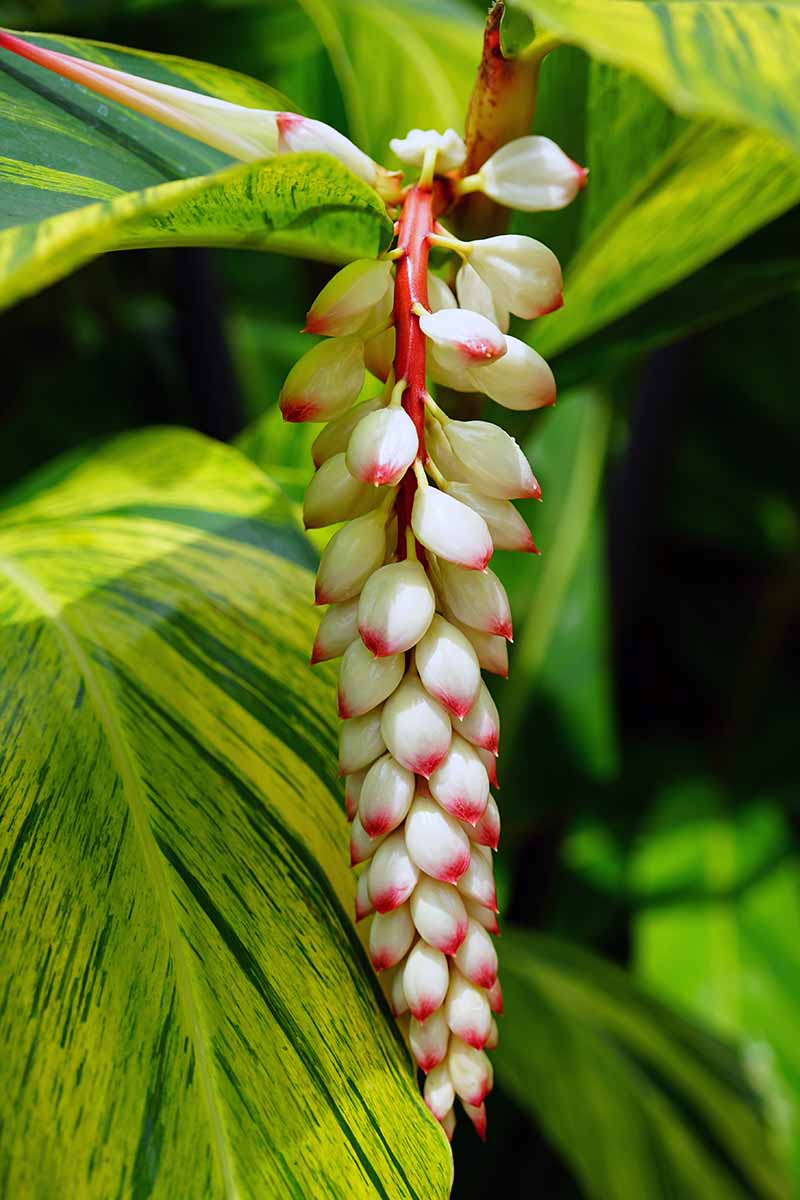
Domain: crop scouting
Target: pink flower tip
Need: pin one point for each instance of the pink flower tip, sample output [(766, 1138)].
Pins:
[(426, 766), (485, 978), (428, 1062), (426, 1006), (582, 173), (554, 307), (451, 872), (317, 655), (296, 410), (473, 1038), (317, 325), (375, 642), (455, 941), (503, 628), (479, 1123), (345, 712), (320, 595)]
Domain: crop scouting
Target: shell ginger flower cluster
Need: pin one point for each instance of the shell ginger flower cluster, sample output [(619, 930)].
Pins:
[(414, 611)]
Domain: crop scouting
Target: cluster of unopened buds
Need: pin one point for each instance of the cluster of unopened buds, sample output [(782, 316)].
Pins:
[(414, 611)]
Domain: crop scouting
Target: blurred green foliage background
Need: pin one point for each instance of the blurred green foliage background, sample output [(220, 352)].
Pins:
[(649, 779)]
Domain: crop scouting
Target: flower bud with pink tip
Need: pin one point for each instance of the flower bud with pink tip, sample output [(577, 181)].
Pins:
[(477, 598), (520, 380), (360, 742), (439, 1092), (333, 495), (365, 681), (362, 846), (489, 761), (448, 667), (325, 382), (364, 905), (450, 529), (486, 917), (416, 728), (298, 135), (476, 957), (382, 447), (481, 724), (350, 557), (460, 783), (393, 874), (477, 881), (491, 460), (436, 842), (467, 1011), (495, 995), (506, 527), (523, 275), (352, 792), (475, 294), (491, 650), (439, 914), (396, 607), (485, 832), (426, 977), (470, 1070), (333, 439), (429, 1040), (531, 174), (386, 796), (459, 338), (346, 300), (477, 1113), (337, 629), (390, 936)]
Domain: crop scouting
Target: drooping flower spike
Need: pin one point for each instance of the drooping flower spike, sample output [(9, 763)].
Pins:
[(414, 611)]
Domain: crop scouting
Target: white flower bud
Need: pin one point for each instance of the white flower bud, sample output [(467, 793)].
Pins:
[(438, 1091), (334, 437), (426, 977), (350, 557), (523, 275), (360, 742), (520, 380), (477, 598), (485, 832), (495, 997), (450, 529), (392, 984), (362, 846), (386, 795), (365, 681), (352, 792), (470, 1071), (439, 294), (460, 338), (337, 629), (476, 957), (481, 724), (429, 1040), (395, 608), (364, 905), (436, 842), (467, 1011), (477, 882), (379, 351), (390, 936), (476, 295), (489, 761), (531, 174), (460, 783), (325, 382), (416, 728), (448, 667), (506, 527), (450, 149), (392, 873), (346, 300), (439, 914), (383, 446), (477, 1113), (491, 650), (491, 460), (483, 915), (333, 495), (298, 135)]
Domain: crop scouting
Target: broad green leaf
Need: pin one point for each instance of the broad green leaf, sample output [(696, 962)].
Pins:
[(639, 1101), (82, 175), (717, 926), (186, 1006)]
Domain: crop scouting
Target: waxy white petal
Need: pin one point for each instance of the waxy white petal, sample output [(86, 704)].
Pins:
[(520, 380), (475, 294), (429, 1040), (506, 526), (476, 957), (346, 300), (325, 382), (460, 338), (448, 667), (333, 495), (395, 608), (337, 629), (392, 873), (477, 882), (362, 846), (416, 728), (386, 796), (467, 1011), (470, 1071), (390, 936), (364, 905), (435, 841), (439, 1092), (439, 294), (460, 783), (491, 460), (439, 914), (382, 447), (360, 742), (481, 724), (350, 557), (299, 135), (477, 598), (523, 275), (532, 174), (449, 147), (485, 832), (450, 529), (365, 681), (426, 977), (334, 437), (352, 792), (486, 917)]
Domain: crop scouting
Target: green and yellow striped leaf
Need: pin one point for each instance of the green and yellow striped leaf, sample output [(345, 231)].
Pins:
[(80, 175), (186, 1009)]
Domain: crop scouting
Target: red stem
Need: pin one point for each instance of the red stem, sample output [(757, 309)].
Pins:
[(411, 287)]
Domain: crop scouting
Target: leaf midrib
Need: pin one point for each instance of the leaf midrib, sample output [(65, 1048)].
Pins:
[(134, 793)]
